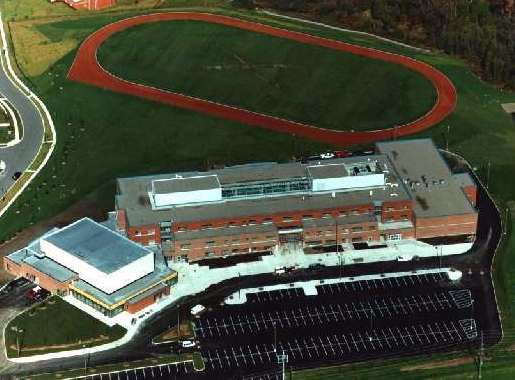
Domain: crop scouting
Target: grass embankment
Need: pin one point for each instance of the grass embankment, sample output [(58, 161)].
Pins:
[(103, 135), (172, 335), (270, 75), (55, 325), (153, 361)]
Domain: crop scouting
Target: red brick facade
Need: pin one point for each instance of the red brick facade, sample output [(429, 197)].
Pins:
[(92, 5), (446, 226), (32, 274), (471, 193), (133, 308)]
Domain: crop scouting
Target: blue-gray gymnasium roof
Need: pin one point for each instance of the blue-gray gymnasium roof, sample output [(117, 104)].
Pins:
[(97, 245)]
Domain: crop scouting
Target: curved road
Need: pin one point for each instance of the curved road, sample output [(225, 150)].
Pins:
[(86, 69), (18, 157)]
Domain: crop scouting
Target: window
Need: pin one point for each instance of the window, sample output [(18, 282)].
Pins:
[(210, 243), (185, 247), (357, 229), (394, 237), (287, 219), (252, 222), (267, 220), (371, 228), (356, 239), (181, 228), (307, 216), (206, 226)]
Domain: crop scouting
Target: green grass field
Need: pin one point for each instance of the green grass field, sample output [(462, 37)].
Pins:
[(54, 323), (269, 75), (103, 135)]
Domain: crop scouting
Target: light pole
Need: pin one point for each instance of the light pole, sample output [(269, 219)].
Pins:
[(275, 337), (178, 324), (447, 137), (488, 174), (507, 221)]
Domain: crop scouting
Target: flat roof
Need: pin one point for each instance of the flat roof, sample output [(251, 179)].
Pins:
[(427, 177), (50, 268), (97, 245), (161, 272), (323, 171), (266, 171), (178, 185), (133, 193)]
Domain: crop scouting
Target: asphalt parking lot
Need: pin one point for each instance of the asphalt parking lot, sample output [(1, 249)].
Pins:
[(345, 322), (162, 371)]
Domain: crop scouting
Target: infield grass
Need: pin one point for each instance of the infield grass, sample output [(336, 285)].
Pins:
[(270, 75)]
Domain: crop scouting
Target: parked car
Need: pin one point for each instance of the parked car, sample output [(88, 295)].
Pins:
[(16, 175), (280, 270), (197, 309), (342, 153), (188, 343), (327, 155), (37, 294)]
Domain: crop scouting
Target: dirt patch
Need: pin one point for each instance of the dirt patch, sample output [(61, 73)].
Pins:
[(61, 346), (35, 53), (83, 208), (171, 334), (440, 364)]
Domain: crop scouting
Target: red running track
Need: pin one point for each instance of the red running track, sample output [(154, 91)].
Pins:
[(86, 69)]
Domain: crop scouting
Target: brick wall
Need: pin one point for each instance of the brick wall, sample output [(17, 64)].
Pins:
[(145, 302), (471, 193), (446, 226)]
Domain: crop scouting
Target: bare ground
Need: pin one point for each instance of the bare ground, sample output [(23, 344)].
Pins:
[(440, 364)]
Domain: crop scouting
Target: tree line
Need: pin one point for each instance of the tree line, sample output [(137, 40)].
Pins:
[(481, 31)]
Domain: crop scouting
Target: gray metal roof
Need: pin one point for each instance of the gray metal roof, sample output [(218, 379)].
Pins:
[(97, 245), (427, 178), (463, 179), (160, 272), (327, 171), (50, 268), (133, 193), (260, 172), (177, 185)]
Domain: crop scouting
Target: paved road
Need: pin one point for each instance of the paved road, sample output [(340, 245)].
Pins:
[(19, 156)]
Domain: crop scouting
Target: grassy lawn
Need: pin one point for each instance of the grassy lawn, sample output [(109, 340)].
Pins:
[(157, 360), (269, 75), (55, 325), (102, 135)]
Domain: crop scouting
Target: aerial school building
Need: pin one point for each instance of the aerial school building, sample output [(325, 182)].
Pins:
[(403, 195), (95, 265), (404, 191)]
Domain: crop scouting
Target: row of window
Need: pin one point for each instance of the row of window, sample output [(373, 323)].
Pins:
[(285, 219), (212, 243)]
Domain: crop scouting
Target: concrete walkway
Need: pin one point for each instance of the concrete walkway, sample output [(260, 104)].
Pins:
[(309, 287)]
